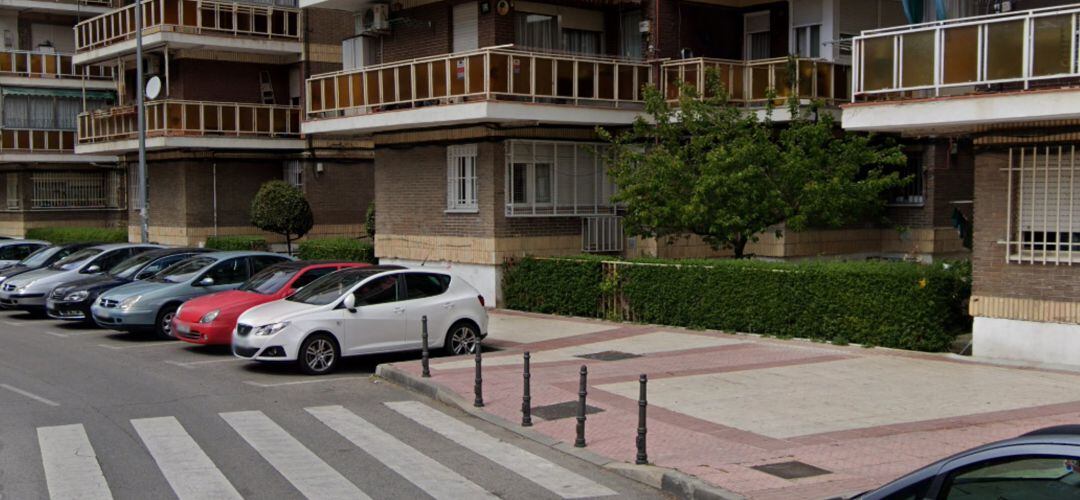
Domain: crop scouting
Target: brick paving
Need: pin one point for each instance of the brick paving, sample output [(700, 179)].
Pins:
[(732, 402)]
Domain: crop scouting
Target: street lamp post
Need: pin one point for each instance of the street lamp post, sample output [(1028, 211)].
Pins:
[(144, 217)]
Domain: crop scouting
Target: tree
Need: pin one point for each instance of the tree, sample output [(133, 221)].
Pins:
[(369, 221), (709, 168), (281, 208)]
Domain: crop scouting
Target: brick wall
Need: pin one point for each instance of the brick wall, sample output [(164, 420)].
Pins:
[(341, 193), (416, 38), (328, 26), (225, 81)]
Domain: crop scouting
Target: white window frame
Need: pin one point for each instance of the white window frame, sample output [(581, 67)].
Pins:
[(461, 179), (294, 174), (806, 51), (747, 50), (13, 202), (1041, 202), (603, 187)]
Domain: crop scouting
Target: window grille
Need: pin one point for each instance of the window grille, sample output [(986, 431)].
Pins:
[(1044, 217), (13, 191), (76, 190), (914, 192), (294, 174), (461, 178), (555, 178), (602, 234)]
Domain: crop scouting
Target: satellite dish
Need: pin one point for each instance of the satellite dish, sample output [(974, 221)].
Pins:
[(153, 87)]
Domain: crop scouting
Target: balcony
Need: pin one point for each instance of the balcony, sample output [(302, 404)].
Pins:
[(41, 146), (962, 73), (40, 69), (748, 82), (230, 26), (177, 124), (68, 7), (496, 84)]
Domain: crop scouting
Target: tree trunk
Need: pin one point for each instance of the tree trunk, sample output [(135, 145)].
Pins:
[(288, 244), (739, 247)]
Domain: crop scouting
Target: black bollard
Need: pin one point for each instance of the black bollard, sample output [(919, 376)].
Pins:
[(642, 456), (526, 398), (424, 349), (478, 385), (580, 441)]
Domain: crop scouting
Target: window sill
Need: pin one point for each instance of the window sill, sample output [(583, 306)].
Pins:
[(461, 211)]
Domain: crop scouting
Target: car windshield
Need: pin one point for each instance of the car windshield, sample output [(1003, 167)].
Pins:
[(269, 280), (332, 286), (72, 261), (128, 267), (40, 257), (183, 271)]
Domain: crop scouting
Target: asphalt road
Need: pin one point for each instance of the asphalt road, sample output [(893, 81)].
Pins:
[(90, 413)]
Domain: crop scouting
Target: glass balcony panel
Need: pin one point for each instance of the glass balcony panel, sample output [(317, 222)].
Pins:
[(262, 120), (738, 83), (690, 77), (209, 17), (172, 13), (917, 62), (260, 23), (961, 54), (67, 141), (24, 141), (192, 117), (759, 82), (1005, 50), (823, 75), (212, 118), (387, 85), (476, 74), (404, 84), (457, 80), (244, 23), (877, 63), (626, 82), (643, 73), (500, 73), (564, 78), (439, 78), (1052, 47), (228, 120), (343, 100), (423, 81), (586, 79), (781, 80), (522, 75), (277, 22), (246, 120), (673, 81), (606, 76), (842, 90), (315, 95), (806, 78)]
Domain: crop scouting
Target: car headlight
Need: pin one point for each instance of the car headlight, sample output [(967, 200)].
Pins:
[(130, 302), (208, 317), (272, 328), (76, 296)]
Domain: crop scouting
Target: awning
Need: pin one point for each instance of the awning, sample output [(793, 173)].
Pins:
[(97, 95)]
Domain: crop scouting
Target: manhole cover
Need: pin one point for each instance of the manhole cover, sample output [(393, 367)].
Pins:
[(791, 470), (562, 410), (609, 355)]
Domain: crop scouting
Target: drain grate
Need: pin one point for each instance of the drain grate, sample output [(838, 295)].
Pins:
[(562, 410), (609, 356), (791, 470)]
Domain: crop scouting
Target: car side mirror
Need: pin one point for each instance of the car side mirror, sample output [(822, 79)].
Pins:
[(207, 281), (350, 303), (93, 269)]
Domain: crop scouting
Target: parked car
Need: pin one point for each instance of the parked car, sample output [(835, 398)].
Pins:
[(12, 251), (363, 311), (1037, 465), (27, 291), (150, 304), (72, 300), (210, 319), (41, 258)]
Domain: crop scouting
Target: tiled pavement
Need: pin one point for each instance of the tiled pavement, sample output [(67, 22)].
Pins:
[(721, 404)]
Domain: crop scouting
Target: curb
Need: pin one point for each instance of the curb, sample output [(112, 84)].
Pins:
[(671, 481)]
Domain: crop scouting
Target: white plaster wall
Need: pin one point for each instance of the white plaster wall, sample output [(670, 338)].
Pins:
[(486, 279), (1029, 341), (62, 37), (9, 30)]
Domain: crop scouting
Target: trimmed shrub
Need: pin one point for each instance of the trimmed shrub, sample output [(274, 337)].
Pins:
[(343, 249), (571, 287), (241, 243), (64, 235)]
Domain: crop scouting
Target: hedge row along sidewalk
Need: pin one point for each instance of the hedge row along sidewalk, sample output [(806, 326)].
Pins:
[(889, 304), (65, 235)]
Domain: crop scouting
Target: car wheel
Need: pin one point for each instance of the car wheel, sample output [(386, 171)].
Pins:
[(463, 338), (163, 326), (318, 355)]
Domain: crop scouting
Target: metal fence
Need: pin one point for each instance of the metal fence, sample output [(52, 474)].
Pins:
[(48, 65), (191, 118), (51, 190), (749, 82), (602, 234), (37, 141)]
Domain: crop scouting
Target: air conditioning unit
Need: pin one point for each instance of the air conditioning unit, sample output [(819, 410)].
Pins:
[(375, 19)]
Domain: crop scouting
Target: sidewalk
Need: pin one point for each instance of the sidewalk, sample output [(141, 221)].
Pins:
[(723, 406)]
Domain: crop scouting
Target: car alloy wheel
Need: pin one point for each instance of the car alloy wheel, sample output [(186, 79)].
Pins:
[(166, 323), (319, 355), (463, 339)]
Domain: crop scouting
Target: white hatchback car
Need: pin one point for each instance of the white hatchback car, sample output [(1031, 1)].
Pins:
[(363, 311)]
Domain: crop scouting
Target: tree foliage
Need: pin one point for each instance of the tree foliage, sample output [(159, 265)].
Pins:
[(710, 168), (281, 208)]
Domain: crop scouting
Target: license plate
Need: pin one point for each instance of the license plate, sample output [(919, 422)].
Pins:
[(183, 328), (241, 341), (103, 314)]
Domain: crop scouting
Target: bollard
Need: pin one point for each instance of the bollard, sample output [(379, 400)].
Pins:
[(478, 385), (642, 455), (526, 398), (424, 349), (580, 441)]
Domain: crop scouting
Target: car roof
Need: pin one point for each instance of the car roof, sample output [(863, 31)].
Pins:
[(240, 253), (77, 246), (165, 252), (114, 246), (4, 243), (301, 264)]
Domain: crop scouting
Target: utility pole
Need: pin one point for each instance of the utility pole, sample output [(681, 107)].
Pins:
[(144, 216)]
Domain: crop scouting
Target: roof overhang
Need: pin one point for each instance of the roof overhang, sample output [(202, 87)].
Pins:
[(192, 41), (214, 143)]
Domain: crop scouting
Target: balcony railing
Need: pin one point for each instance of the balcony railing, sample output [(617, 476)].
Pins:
[(190, 16), (37, 141), (748, 82), (176, 118), (495, 73), (45, 65), (1005, 52)]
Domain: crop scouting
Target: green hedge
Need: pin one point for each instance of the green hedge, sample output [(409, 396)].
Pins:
[(64, 235), (344, 249), (902, 305), (241, 243)]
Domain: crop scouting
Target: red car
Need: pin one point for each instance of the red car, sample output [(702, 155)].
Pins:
[(210, 319)]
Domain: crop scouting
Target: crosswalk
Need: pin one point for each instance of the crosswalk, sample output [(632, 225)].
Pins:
[(73, 470)]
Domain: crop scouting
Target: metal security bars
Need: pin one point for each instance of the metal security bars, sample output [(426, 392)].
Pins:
[(1043, 224), (555, 178), (494, 73), (748, 82), (461, 178), (37, 141), (191, 118), (602, 234), (1005, 52), (190, 16), (52, 190), (45, 65)]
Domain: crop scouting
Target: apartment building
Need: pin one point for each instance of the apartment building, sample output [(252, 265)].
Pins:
[(1005, 82), (42, 92), (222, 113)]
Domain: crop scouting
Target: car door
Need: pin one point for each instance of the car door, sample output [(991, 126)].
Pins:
[(1027, 471), (378, 321), (425, 295)]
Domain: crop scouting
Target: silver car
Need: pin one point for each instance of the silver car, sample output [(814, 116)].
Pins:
[(12, 251), (27, 291)]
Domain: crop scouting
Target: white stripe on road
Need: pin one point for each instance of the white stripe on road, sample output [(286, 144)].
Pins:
[(299, 382), (192, 364), (30, 395), (307, 472), (71, 468), (552, 477), (14, 323), (137, 346), (435, 479), (187, 468)]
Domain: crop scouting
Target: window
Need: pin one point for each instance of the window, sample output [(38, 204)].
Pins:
[(109, 260), (845, 44), (582, 41), (557, 178), (1044, 215), (758, 38), (1039, 476), (13, 191), (461, 178), (808, 41), (230, 272), (160, 264), (45, 112), (536, 31), (294, 174), (16, 252), (260, 262), (378, 291), (630, 36), (420, 285), (312, 275), (914, 192), (101, 189)]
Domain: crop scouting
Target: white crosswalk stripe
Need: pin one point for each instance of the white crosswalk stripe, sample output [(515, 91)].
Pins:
[(435, 479), (189, 471), (550, 476), (313, 477), (71, 467)]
